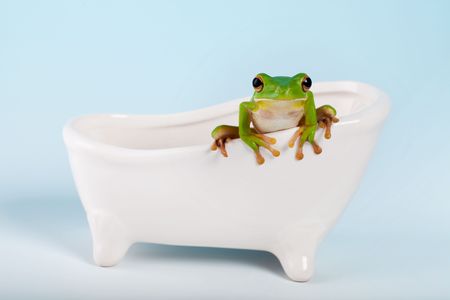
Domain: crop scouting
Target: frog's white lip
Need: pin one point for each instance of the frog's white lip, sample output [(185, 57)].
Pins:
[(279, 100)]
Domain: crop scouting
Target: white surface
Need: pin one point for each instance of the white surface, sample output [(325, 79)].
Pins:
[(153, 179)]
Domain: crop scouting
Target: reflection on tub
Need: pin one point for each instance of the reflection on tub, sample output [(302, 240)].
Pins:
[(147, 178)]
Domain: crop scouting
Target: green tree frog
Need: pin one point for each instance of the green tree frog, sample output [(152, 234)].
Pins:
[(277, 103)]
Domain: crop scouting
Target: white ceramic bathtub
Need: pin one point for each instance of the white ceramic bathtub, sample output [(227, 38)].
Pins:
[(152, 178)]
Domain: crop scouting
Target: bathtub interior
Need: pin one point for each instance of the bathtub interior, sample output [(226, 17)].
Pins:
[(194, 128)]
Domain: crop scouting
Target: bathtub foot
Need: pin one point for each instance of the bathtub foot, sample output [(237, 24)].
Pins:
[(109, 242), (297, 256)]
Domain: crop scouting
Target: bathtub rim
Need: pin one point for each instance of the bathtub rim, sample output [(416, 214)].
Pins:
[(371, 115)]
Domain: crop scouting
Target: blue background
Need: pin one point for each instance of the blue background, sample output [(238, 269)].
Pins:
[(59, 59)]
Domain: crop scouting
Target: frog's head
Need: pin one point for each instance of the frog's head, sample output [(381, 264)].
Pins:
[(281, 87)]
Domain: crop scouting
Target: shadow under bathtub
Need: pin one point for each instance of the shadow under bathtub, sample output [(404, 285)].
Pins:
[(204, 255)]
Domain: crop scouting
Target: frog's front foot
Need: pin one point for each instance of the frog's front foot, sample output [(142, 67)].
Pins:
[(326, 116), (256, 140), (304, 133)]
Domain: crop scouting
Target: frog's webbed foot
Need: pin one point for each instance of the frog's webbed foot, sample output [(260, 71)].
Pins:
[(220, 144), (224, 133), (303, 134), (326, 116), (256, 140), (221, 135)]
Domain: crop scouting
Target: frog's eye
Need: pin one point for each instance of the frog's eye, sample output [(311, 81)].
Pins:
[(306, 84), (257, 84)]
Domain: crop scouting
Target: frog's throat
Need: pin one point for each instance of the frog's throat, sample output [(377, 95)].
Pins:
[(278, 100)]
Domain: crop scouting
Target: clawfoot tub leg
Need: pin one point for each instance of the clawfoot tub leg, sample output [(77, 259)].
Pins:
[(109, 241), (296, 255)]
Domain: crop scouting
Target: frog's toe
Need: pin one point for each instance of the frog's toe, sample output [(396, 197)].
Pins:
[(267, 139), (299, 153), (317, 149), (259, 158), (220, 144), (266, 142), (295, 136), (222, 148), (326, 121), (272, 150)]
